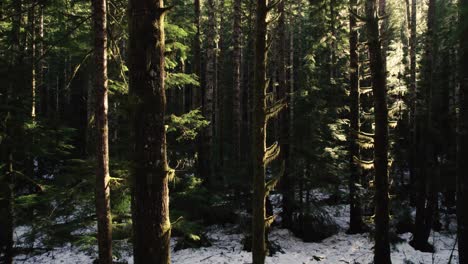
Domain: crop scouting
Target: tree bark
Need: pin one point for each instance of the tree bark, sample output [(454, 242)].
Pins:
[(209, 99), (283, 93), (355, 222), (379, 89), (11, 128), (427, 161), (150, 175), (32, 54), (104, 220), (259, 135), (236, 95), (462, 165)]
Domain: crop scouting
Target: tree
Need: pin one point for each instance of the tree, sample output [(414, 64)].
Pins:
[(209, 95), (462, 166), (11, 121), (377, 68), (355, 222), (150, 175), (425, 163), (102, 152), (262, 155), (287, 185), (237, 92)]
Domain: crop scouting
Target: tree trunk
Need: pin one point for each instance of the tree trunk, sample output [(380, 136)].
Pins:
[(426, 162), (150, 192), (379, 89), (32, 54), (286, 186), (102, 197), (412, 92), (209, 94), (383, 31), (259, 135), (236, 95), (355, 222), (462, 165)]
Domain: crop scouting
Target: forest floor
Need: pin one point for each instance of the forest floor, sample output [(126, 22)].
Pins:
[(227, 248)]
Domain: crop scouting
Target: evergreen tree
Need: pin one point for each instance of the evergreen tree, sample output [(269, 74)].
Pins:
[(379, 89), (102, 153), (150, 176)]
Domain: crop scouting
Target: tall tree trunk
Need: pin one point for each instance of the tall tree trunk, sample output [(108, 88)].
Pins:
[(426, 163), (43, 95), (383, 31), (262, 155), (32, 54), (236, 95), (259, 135), (9, 126), (379, 89), (209, 94), (150, 192), (196, 95), (102, 197), (355, 222), (286, 186), (220, 96), (412, 92), (462, 165)]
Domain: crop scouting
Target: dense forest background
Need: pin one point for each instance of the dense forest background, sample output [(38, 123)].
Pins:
[(124, 123)]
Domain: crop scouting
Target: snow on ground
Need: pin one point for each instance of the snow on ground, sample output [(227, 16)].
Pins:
[(227, 249)]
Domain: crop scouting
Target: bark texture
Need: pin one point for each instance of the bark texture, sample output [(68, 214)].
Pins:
[(102, 197), (379, 89), (355, 222), (462, 168), (150, 192), (236, 95), (259, 135)]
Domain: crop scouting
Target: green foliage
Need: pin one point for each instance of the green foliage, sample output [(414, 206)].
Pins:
[(178, 80), (187, 126)]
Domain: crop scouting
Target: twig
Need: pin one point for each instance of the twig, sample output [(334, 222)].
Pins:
[(453, 249)]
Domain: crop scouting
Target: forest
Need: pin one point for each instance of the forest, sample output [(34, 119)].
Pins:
[(234, 131)]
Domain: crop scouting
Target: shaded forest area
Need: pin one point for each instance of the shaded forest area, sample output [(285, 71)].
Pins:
[(234, 131)]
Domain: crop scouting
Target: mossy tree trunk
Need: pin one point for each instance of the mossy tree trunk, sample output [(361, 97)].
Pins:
[(262, 155), (150, 175)]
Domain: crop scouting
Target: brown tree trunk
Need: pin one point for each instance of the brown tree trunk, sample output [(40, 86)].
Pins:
[(9, 127), (379, 89), (286, 182), (209, 99), (104, 220), (236, 96), (32, 54), (259, 135), (462, 165), (355, 222), (150, 175), (426, 161), (412, 92), (383, 31)]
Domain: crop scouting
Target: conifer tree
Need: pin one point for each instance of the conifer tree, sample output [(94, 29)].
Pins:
[(102, 152), (379, 89), (462, 166), (150, 176)]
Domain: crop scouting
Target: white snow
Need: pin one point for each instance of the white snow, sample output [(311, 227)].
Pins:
[(227, 248)]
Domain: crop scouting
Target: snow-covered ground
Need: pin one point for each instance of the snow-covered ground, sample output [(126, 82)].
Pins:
[(227, 249)]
